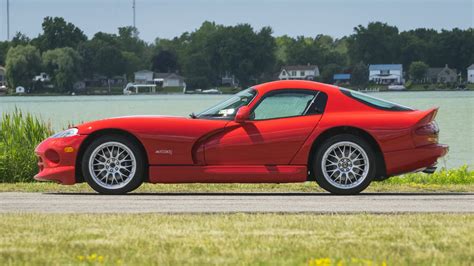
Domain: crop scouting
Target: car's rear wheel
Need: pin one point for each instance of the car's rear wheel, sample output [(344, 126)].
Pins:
[(344, 164), (113, 165)]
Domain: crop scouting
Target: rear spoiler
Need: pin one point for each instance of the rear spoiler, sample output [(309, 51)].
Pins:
[(427, 116)]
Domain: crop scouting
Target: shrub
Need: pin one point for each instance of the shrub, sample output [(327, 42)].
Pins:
[(458, 176), (20, 133)]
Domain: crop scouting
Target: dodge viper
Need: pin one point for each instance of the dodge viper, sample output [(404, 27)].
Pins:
[(276, 132)]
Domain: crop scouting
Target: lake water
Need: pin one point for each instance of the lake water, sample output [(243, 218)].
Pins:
[(455, 117)]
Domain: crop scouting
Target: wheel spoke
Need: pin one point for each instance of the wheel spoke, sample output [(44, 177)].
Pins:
[(112, 165), (345, 164)]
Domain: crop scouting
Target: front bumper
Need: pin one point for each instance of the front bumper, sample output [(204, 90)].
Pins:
[(412, 160), (57, 159)]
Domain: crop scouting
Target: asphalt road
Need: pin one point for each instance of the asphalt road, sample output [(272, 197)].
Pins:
[(13, 202)]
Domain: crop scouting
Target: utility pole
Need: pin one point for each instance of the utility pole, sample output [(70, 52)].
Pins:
[(134, 25), (135, 34), (8, 20)]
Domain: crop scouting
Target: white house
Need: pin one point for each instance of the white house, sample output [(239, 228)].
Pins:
[(43, 77), (386, 74), (309, 72), (20, 90), (160, 79), (3, 80), (168, 80), (470, 74), (144, 77), (229, 80)]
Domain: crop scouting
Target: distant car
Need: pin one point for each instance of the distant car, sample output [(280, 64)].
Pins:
[(277, 132)]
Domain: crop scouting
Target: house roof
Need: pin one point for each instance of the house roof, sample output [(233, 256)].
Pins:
[(433, 72), (167, 76), (471, 67), (341, 76), (299, 67), (144, 71), (386, 67), (2, 67)]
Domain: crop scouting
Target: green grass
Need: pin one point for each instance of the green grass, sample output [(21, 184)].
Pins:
[(461, 175), (454, 180), (242, 239), (306, 187), (20, 133)]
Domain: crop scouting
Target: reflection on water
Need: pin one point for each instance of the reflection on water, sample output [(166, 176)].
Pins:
[(455, 118)]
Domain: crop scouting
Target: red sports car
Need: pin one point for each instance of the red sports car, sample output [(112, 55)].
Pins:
[(277, 132)]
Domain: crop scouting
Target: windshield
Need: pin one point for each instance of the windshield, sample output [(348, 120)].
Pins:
[(228, 108), (374, 102)]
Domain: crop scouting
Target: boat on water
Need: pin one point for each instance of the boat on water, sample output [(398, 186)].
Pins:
[(3, 90), (132, 88), (396, 87), (369, 90)]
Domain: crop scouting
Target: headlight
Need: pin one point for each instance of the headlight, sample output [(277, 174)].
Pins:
[(66, 133)]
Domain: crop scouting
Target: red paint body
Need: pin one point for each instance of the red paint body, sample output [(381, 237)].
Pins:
[(274, 150)]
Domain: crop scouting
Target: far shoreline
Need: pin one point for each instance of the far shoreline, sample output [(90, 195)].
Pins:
[(224, 93)]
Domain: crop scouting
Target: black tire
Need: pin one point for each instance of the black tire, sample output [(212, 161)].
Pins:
[(135, 180), (318, 168)]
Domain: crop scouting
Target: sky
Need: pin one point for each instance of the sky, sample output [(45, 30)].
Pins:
[(170, 18)]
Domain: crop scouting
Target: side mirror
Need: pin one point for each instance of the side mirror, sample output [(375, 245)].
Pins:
[(242, 114)]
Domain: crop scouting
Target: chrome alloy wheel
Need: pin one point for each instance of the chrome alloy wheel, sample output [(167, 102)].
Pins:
[(112, 165), (345, 165)]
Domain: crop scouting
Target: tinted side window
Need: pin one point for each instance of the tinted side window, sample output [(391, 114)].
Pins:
[(374, 102), (319, 104), (284, 104)]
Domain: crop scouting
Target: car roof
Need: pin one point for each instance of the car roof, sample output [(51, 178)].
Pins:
[(295, 84)]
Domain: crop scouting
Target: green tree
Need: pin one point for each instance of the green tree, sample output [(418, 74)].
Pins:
[(378, 43), (282, 48), (20, 39), (110, 62), (195, 58), (165, 61), (23, 62), (110, 54), (242, 52), (322, 50), (360, 74), (418, 71), (132, 63), (418, 45), (3, 51), (455, 48), (328, 71), (63, 64), (128, 40), (58, 33), (304, 50)]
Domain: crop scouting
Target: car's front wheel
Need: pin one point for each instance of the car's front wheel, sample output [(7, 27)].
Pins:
[(344, 164), (113, 165)]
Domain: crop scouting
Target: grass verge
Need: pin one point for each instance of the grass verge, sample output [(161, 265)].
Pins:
[(454, 180), (235, 188), (244, 239)]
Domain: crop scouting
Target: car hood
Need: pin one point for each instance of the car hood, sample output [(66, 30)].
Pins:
[(148, 124)]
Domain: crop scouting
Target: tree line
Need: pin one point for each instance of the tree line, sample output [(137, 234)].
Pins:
[(212, 51)]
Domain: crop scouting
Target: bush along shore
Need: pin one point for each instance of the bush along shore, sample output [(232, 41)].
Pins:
[(21, 132)]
